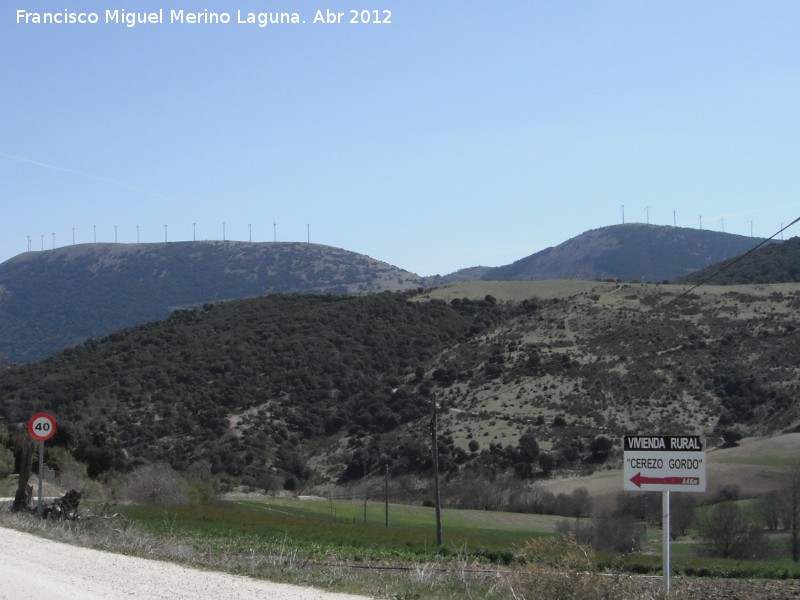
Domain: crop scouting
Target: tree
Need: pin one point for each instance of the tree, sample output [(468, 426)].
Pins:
[(600, 448), (768, 509), (682, 514), (576, 504), (528, 447), (6, 455), (156, 484), (547, 463), (731, 437), (729, 533), (6, 461), (793, 511), (101, 452)]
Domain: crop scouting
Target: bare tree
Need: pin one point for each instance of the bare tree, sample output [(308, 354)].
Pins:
[(157, 484)]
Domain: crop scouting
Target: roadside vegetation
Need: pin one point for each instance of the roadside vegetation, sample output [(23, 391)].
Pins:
[(344, 544)]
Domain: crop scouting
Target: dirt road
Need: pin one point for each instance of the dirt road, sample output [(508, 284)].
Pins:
[(32, 567)]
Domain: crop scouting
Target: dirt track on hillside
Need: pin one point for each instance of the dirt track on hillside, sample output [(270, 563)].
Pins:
[(33, 567)]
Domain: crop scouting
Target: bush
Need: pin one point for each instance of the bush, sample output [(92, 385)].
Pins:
[(731, 437), (606, 534), (6, 462), (600, 448), (156, 484)]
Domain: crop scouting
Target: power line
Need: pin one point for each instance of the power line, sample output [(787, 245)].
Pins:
[(731, 263)]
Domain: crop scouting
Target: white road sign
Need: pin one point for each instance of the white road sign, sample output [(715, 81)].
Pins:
[(664, 463)]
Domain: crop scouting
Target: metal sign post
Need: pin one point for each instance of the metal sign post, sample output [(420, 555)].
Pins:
[(665, 569), (42, 427), (664, 463)]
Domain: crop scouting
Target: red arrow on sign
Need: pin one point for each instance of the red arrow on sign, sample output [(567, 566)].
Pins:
[(639, 480)]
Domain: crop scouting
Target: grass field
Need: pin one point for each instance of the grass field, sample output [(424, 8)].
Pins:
[(505, 556), (322, 530), (319, 528)]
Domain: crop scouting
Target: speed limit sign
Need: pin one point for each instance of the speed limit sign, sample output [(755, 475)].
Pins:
[(42, 427)]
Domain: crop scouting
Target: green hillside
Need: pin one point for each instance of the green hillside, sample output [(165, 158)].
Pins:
[(303, 390), (773, 263)]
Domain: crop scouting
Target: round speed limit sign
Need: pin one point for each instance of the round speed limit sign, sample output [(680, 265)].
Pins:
[(42, 427)]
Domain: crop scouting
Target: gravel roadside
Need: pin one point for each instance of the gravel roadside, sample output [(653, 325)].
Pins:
[(33, 567)]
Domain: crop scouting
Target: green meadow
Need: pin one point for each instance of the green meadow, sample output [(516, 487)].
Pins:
[(322, 528)]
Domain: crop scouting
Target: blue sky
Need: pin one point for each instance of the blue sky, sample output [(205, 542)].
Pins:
[(463, 133)]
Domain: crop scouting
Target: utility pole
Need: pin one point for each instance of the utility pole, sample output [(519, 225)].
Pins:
[(623, 214), (435, 455), (194, 232), (674, 219), (386, 494), (223, 231)]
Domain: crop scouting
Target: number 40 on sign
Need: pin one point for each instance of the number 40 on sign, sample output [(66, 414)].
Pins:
[(42, 427)]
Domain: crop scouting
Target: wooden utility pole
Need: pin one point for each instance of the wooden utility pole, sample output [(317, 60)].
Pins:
[(386, 494), (435, 455)]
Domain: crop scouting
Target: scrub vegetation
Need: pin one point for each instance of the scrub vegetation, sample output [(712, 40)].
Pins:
[(532, 381)]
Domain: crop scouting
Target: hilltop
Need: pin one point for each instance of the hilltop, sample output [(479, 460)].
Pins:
[(631, 252), (58, 298)]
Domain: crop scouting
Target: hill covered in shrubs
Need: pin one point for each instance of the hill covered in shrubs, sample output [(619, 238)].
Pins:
[(530, 379)]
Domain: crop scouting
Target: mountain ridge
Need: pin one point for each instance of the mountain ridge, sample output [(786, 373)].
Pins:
[(629, 252), (57, 298)]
